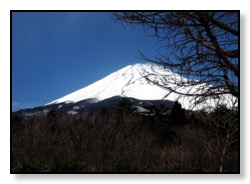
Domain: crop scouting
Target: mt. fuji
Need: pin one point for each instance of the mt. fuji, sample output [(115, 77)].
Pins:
[(126, 82), (129, 82)]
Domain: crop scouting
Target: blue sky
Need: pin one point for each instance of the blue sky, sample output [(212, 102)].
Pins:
[(56, 53)]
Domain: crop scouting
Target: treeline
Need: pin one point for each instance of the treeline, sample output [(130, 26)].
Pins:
[(124, 139)]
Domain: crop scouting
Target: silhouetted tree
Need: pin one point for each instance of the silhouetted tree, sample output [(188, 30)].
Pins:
[(16, 123), (177, 115), (124, 105), (156, 114), (52, 120), (51, 115), (222, 132), (123, 108), (104, 115), (200, 46)]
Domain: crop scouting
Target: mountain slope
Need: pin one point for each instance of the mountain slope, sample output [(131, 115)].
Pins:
[(127, 82), (130, 82)]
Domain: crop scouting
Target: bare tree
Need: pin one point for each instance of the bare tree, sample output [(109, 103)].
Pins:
[(200, 46), (221, 134)]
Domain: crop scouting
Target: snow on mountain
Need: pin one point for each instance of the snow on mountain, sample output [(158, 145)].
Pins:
[(130, 82)]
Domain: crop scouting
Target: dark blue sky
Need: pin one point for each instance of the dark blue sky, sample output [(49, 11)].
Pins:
[(56, 53)]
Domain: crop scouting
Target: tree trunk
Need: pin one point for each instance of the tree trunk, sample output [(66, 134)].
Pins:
[(222, 159)]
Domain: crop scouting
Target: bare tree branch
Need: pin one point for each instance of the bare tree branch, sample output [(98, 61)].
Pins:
[(200, 46)]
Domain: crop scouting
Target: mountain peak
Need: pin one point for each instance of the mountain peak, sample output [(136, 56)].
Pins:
[(126, 82), (131, 81)]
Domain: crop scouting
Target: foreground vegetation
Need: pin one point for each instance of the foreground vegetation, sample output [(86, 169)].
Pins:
[(124, 140)]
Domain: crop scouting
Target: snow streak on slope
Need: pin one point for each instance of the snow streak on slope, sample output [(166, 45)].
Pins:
[(130, 82)]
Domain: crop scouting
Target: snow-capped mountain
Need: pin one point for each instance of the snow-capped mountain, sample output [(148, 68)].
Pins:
[(126, 82), (129, 82)]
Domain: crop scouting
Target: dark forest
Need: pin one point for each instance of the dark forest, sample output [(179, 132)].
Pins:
[(123, 140)]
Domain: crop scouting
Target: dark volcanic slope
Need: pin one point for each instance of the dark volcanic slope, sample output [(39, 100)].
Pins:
[(88, 105)]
